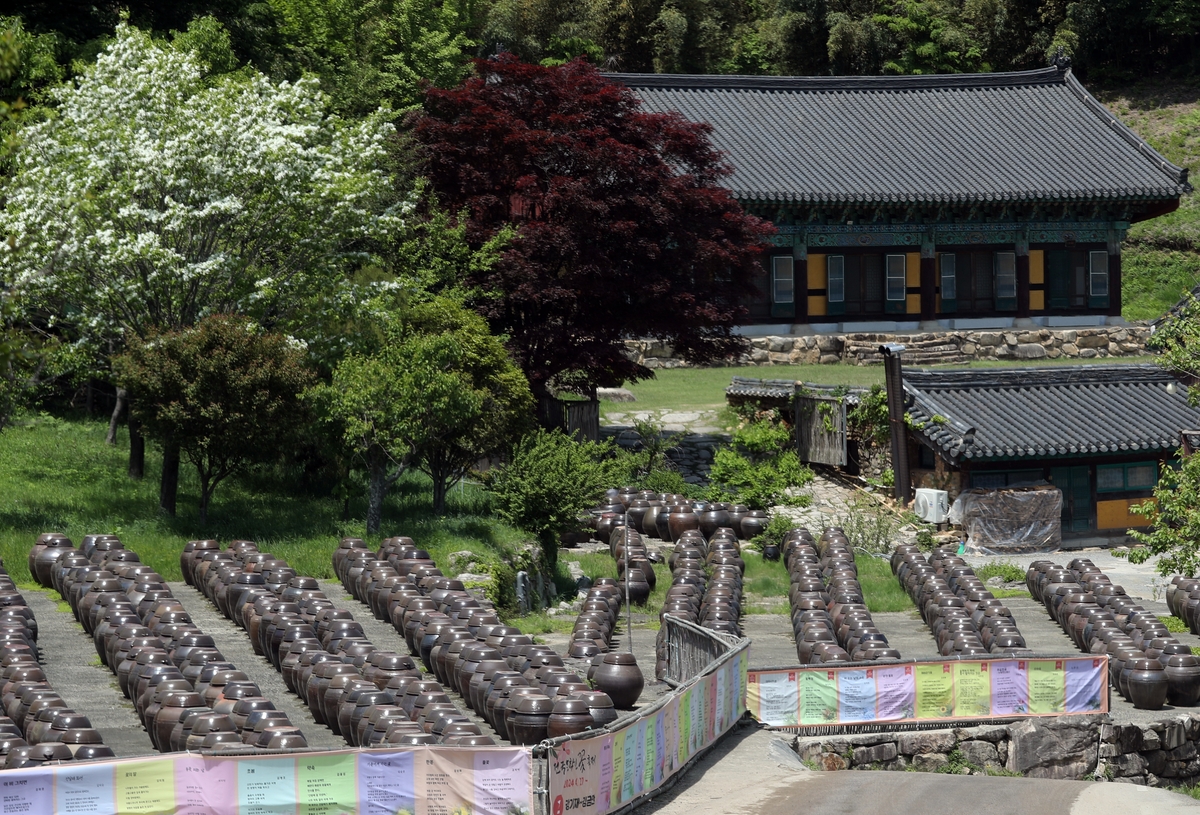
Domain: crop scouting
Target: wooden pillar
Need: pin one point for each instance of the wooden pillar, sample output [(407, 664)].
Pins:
[(1023, 282), (1114, 280), (800, 279), (928, 281)]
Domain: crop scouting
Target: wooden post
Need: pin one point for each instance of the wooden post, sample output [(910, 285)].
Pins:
[(800, 280), (1023, 283), (895, 397), (1114, 280), (928, 285)]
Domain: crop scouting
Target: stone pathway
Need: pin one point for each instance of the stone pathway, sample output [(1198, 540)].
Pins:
[(831, 500), (671, 421)]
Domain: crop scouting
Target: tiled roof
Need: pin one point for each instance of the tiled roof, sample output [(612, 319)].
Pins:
[(762, 388), (786, 389), (1032, 136), (1047, 412)]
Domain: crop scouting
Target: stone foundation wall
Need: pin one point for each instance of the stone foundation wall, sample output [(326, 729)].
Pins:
[(932, 348), (1160, 754)]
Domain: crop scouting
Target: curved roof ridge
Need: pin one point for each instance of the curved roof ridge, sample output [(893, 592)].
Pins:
[(1000, 79), (1176, 173)]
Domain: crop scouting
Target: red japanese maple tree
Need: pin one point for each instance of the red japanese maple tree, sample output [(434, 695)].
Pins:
[(622, 228)]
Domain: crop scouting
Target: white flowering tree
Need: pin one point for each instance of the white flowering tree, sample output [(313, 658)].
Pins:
[(156, 196)]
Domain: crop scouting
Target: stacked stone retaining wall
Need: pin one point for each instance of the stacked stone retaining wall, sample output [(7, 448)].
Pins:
[(930, 348), (1160, 754)]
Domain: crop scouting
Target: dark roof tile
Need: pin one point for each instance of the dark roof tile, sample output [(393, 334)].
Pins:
[(1027, 136), (1040, 412)]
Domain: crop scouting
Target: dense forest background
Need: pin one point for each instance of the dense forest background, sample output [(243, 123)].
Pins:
[(1141, 58)]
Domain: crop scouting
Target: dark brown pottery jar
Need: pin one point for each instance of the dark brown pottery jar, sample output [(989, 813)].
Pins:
[(569, 716), (1147, 683), (529, 721), (1183, 679), (618, 675)]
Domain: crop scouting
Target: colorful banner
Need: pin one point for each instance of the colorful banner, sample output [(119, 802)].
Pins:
[(597, 775), (421, 781), (958, 690)]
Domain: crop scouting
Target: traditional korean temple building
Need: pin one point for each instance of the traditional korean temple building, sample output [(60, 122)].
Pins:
[(1100, 433), (929, 202)]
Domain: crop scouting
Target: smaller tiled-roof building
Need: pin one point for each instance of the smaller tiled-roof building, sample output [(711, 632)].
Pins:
[(1100, 433), (972, 200)]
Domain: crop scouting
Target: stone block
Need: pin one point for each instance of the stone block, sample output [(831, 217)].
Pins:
[(759, 355), (778, 358), (1156, 761), (829, 344), (832, 761), (807, 749), (988, 339), (1127, 765), (1029, 350), (984, 732), (1070, 349), (1062, 748), (1174, 734), (930, 762), (1068, 336), (1053, 353), (1089, 353), (1184, 752), (615, 395), (780, 344), (927, 741), (1150, 739), (1092, 340), (1010, 339), (1128, 738), (968, 348), (980, 753), (829, 359), (877, 754)]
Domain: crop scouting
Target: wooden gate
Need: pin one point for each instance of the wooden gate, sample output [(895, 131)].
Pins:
[(821, 429), (575, 418)]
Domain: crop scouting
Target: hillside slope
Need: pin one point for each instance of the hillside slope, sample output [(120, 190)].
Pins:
[(1162, 256)]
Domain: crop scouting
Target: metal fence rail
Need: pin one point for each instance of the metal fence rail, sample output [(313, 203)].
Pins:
[(692, 649), (693, 653)]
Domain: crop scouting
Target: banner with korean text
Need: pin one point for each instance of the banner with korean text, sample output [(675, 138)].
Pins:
[(592, 776), (953, 690), (418, 781)]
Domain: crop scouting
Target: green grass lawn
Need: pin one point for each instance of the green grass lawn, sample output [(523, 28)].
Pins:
[(57, 474), (693, 389)]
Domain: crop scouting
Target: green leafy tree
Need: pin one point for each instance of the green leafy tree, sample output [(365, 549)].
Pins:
[(160, 193), (550, 480), (439, 394), (1173, 515), (224, 392), (370, 53), (758, 468)]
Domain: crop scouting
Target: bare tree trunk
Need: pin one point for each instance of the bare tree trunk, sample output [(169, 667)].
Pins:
[(137, 450), (168, 489), (115, 420), (206, 491), (440, 488), (376, 489)]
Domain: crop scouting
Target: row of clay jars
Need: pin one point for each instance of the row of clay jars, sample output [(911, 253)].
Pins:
[(829, 563), (633, 566), (689, 579), (325, 658), (472, 659), (37, 726), (1147, 666), (992, 620), (596, 620), (163, 661), (650, 514), (1183, 598), (721, 606), (942, 610)]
